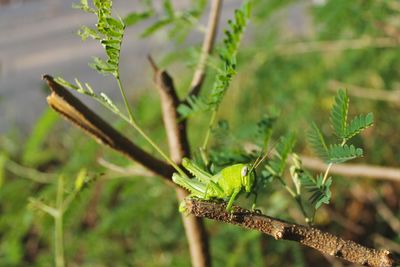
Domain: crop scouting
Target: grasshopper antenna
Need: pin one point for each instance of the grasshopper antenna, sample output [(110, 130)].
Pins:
[(260, 159)]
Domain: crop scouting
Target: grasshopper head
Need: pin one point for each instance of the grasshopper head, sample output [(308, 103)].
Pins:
[(247, 178)]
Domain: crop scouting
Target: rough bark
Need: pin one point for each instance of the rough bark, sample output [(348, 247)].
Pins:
[(312, 237)]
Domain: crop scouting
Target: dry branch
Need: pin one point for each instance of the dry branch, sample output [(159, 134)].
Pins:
[(353, 170), (207, 47), (336, 45), (368, 93), (175, 128), (324, 242), (62, 101), (178, 148)]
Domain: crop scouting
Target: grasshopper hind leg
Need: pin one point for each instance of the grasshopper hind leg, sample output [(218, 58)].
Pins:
[(195, 187)]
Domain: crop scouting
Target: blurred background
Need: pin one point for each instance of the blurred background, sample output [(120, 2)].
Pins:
[(294, 57)]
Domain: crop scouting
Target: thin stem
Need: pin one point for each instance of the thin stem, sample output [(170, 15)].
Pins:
[(58, 219), (208, 133), (296, 197), (121, 89), (330, 165), (29, 173), (157, 148), (327, 172), (309, 220), (68, 201), (43, 207), (134, 124)]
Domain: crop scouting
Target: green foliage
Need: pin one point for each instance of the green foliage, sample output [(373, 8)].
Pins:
[(318, 188), (276, 166), (339, 154), (135, 17), (193, 105), (180, 21), (317, 142), (339, 113), (33, 154), (228, 54), (3, 160), (264, 128), (335, 153), (358, 124), (109, 31), (102, 98)]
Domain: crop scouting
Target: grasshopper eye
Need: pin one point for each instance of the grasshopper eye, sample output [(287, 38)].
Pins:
[(244, 171)]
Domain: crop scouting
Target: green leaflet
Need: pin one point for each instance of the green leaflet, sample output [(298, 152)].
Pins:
[(358, 124), (339, 154), (320, 193), (102, 98), (228, 55), (339, 113), (135, 17), (109, 31), (194, 104), (317, 142), (157, 26)]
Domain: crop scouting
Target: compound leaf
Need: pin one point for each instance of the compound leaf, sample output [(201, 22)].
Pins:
[(339, 113)]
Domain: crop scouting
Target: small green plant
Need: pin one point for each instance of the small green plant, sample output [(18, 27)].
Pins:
[(337, 152), (61, 207), (109, 32)]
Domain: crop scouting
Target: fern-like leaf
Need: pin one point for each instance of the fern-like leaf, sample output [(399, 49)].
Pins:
[(228, 54), (317, 142), (358, 124), (339, 154), (320, 192), (102, 98), (109, 31), (339, 113), (193, 105)]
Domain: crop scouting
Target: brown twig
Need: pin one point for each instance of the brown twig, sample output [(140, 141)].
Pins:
[(336, 45), (322, 241), (175, 128), (369, 93), (207, 47), (353, 170), (179, 148), (79, 114)]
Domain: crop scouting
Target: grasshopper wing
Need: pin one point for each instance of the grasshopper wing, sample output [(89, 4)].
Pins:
[(198, 172)]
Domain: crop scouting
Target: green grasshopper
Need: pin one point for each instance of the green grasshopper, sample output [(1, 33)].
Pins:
[(226, 184)]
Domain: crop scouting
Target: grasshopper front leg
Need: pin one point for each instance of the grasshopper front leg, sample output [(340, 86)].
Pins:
[(232, 198)]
